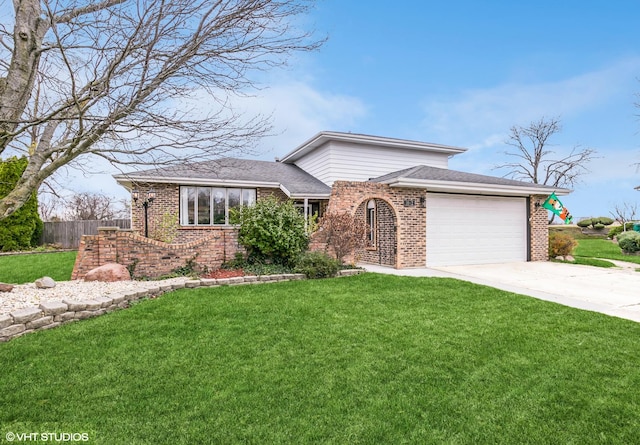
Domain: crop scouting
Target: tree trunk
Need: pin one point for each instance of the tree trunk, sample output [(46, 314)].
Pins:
[(17, 86)]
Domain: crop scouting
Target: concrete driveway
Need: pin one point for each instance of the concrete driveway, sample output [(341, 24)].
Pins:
[(614, 291)]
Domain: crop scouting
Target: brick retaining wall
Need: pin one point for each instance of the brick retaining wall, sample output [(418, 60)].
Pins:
[(150, 258)]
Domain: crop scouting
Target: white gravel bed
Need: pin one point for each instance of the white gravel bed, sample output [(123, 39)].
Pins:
[(28, 295)]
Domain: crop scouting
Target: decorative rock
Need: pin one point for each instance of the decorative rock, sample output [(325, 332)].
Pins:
[(104, 301), (75, 306), (12, 330), (53, 308), (40, 322), (109, 272), (45, 283), (92, 305), (66, 316), (5, 320), (6, 287), (26, 315)]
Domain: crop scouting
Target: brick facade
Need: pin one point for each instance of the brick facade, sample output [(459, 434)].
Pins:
[(400, 206), (400, 231), (385, 248), (164, 214), (539, 229)]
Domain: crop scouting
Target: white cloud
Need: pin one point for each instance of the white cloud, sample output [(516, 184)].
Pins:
[(482, 117), (299, 111)]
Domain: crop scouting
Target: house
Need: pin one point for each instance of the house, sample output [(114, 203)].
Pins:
[(420, 212)]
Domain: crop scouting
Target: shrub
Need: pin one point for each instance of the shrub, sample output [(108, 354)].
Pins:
[(317, 265), (343, 232), (629, 242), (22, 229), (617, 230), (596, 223), (605, 221), (584, 223), (271, 231), (561, 244)]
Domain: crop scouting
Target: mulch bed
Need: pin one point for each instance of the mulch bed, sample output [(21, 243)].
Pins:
[(224, 273)]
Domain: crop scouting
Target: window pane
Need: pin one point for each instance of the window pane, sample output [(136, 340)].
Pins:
[(233, 196), (248, 197), (219, 198), (204, 205), (187, 205)]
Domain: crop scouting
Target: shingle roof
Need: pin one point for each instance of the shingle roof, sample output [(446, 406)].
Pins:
[(427, 173), (293, 178)]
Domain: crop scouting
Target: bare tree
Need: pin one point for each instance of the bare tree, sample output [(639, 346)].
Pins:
[(535, 162), (91, 206), (115, 79), (625, 212), (49, 207)]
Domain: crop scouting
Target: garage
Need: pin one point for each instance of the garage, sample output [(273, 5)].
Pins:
[(475, 229)]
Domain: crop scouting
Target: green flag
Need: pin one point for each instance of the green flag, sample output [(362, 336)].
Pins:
[(553, 203)]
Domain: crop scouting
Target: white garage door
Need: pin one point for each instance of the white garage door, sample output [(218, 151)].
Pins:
[(466, 229)]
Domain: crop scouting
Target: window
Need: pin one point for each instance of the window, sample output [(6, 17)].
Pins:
[(371, 223), (206, 206)]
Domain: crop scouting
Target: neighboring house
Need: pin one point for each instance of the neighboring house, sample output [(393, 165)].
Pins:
[(420, 212)]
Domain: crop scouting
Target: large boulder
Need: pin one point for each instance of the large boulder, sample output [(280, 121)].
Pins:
[(108, 272)]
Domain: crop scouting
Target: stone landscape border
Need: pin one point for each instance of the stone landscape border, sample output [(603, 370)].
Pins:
[(51, 314)]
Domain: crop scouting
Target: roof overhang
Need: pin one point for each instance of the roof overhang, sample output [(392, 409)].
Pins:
[(128, 182), (474, 188), (328, 136)]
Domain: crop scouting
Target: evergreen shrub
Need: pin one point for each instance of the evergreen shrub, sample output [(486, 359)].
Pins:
[(21, 230)]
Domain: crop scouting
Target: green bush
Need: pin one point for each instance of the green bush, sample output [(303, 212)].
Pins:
[(617, 230), (604, 220), (629, 242), (596, 223), (561, 244), (22, 229), (584, 223), (271, 231), (317, 265)]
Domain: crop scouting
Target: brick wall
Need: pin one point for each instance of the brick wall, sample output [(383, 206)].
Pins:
[(539, 225), (151, 258), (385, 247), (410, 232), (164, 214)]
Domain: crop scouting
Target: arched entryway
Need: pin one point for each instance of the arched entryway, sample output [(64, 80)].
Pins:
[(382, 231)]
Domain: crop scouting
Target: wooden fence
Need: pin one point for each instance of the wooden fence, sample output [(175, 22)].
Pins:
[(67, 234)]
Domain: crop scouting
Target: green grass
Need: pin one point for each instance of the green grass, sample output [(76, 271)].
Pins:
[(19, 269), (585, 261), (369, 359), (600, 248)]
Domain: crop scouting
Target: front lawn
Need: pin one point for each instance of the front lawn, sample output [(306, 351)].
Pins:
[(602, 248), (26, 268), (365, 359)]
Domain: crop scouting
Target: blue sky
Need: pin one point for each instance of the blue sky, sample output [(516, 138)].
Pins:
[(462, 73)]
